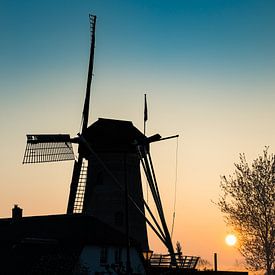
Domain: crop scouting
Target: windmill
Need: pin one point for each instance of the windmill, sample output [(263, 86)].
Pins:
[(106, 180)]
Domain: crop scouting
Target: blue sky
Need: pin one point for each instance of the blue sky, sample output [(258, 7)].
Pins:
[(235, 36), (222, 42), (208, 70)]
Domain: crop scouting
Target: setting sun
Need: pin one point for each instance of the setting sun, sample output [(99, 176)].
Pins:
[(230, 239)]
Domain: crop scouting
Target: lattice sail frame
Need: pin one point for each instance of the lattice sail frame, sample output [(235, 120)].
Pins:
[(48, 148), (80, 193)]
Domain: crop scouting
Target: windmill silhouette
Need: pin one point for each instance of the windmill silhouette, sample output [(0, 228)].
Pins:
[(106, 180)]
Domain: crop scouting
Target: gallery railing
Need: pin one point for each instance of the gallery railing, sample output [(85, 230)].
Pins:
[(183, 262)]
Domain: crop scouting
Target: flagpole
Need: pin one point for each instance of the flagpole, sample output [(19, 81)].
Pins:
[(145, 118), (145, 114), (144, 127)]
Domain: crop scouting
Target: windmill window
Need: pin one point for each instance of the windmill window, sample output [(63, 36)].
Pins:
[(119, 218), (103, 255)]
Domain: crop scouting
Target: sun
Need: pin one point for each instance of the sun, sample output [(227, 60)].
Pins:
[(230, 239)]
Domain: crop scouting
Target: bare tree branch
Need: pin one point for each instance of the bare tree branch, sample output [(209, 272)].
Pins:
[(247, 201)]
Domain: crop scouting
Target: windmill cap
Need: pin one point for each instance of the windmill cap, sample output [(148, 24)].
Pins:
[(113, 135)]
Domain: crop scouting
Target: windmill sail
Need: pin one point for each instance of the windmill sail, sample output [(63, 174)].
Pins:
[(81, 187), (51, 148), (48, 148), (147, 165), (73, 203)]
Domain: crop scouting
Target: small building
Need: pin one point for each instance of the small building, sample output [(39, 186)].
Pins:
[(64, 244)]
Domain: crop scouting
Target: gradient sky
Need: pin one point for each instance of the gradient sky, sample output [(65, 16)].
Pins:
[(206, 66)]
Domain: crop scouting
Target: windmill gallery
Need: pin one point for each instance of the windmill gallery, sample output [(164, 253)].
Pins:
[(105, 228)]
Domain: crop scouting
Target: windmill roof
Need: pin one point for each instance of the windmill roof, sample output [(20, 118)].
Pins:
[(110, 134), (76, 228)]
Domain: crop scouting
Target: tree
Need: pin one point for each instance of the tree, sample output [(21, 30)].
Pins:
[(204, 264), (179, 248), (247, 201)]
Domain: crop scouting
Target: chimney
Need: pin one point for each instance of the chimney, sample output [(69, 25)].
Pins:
[(17, 212)]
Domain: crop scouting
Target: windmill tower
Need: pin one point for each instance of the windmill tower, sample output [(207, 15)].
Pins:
[(106, 180), (113, 174)]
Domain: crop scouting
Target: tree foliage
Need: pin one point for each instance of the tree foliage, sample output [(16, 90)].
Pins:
[(247, 201), (178, 248)]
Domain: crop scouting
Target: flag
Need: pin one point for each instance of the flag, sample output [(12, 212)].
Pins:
[(145, 109)]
